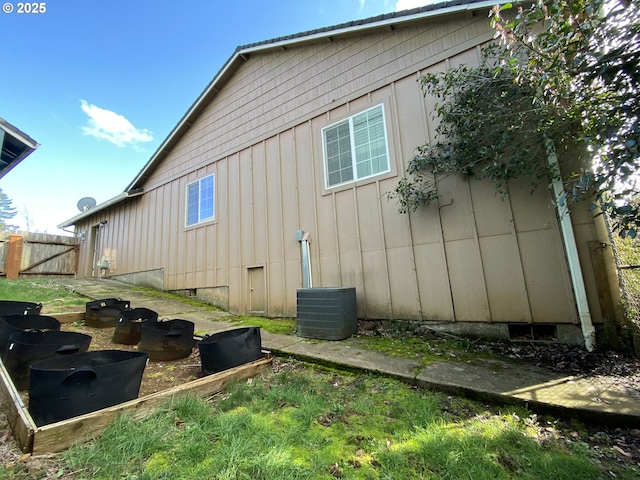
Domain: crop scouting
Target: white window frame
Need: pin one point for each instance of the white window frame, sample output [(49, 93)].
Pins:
[(202, 216), (354, 168)]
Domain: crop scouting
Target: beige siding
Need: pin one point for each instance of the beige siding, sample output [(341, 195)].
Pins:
[(278, 89), (472, 257)]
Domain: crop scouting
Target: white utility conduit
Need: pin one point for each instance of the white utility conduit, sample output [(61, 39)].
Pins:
[(588, 331)]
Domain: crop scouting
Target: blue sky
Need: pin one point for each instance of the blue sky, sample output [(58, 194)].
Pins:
[(99, 84)]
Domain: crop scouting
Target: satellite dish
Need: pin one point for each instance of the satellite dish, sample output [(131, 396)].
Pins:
[(86, 203)]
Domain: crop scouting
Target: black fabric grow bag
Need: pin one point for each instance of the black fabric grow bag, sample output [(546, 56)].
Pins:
[(231, 348), (72, 385), (18, 323), (104, 313), (129, 326), (28, 347), (167, 339), (11, 307)]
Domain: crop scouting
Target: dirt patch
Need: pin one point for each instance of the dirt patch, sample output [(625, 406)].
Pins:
[(158, 375), (604, 365)]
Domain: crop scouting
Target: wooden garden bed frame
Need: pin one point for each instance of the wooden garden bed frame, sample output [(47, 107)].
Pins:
[(59, 436)]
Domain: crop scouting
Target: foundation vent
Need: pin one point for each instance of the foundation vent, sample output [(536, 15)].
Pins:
[(527, 332)]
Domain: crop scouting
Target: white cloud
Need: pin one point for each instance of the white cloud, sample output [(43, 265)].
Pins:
[(409, 4), (112, 127)]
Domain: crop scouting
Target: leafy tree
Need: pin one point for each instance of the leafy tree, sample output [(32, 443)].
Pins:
[(563, 80), (490, 127), (7, 212)]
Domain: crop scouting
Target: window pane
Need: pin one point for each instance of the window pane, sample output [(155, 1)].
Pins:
[(201, 200), (192, 203), (378, 148), (343, 130), (334, 178), (360, 134), (331, 135), (206, 198), (364, 136), (371, 142), (338, 151), (332, 149), (346, 174), (362, 153), (364, 169)]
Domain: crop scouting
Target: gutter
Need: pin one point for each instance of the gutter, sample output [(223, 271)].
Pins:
[(385, 20), (92, 211), (569, 240)]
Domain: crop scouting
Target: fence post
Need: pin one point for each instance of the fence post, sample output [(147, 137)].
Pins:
[(14, 257), (611, 321)]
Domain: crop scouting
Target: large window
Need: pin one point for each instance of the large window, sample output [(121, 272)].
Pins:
[(200, 201), (356, 148)]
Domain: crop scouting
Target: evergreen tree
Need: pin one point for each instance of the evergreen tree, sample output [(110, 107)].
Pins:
[(7, 212)]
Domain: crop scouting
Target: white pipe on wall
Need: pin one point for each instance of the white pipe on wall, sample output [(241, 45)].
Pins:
[(303, 238), (569, 239)]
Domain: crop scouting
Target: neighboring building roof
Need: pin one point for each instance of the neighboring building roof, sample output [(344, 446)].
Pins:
[(243, 52), (15, 146)]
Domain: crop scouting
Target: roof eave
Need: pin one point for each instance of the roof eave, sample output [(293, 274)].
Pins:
[(30, 144), (98, 208), (367, 24), (19, 134)]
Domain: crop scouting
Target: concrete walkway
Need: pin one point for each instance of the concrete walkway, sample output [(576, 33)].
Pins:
[(494, 381)]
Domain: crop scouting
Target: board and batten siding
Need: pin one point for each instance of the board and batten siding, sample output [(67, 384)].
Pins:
[(473, 256)]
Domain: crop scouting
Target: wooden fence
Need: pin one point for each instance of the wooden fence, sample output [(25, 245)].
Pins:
[(38, 255)]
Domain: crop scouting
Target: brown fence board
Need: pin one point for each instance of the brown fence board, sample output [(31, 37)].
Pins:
[(38, 255)]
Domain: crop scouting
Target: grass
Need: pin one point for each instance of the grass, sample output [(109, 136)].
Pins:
[(424, 348), (54, 297), (297, 421), (301, 422), (282, 326), (150, 292)]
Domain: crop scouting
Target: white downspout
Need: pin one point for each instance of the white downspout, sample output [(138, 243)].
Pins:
[(569, 239)]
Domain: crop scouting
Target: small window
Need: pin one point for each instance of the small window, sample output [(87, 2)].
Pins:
[(356, 148), (200, 201)]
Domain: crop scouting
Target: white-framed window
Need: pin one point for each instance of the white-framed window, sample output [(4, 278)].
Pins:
[(200, 201), (356, 148)]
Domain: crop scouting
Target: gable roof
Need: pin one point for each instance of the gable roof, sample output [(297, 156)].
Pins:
[(243, 52), (15, 146)]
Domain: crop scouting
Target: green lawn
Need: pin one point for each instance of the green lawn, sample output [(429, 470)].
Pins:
[(299, 421), (54, 297)]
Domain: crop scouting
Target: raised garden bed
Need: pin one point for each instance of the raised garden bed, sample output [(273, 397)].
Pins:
[(161, 382)]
